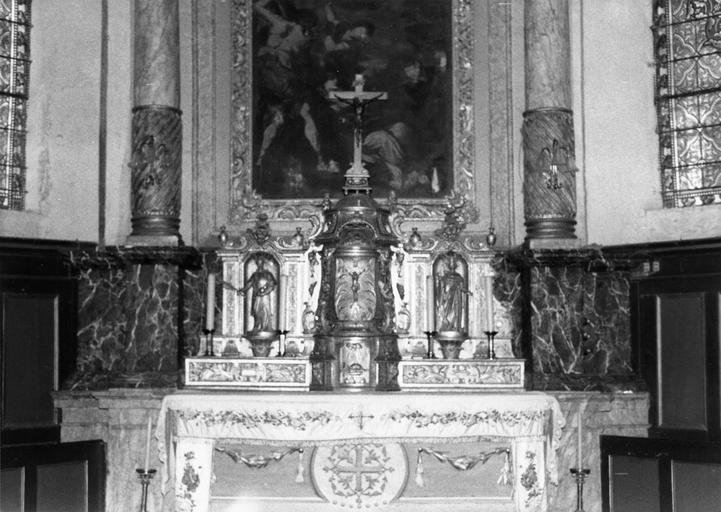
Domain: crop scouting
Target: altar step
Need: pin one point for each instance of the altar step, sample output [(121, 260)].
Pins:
[(235, 504)]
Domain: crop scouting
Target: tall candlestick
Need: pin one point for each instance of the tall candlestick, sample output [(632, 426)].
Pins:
[(579, 450), (210, 304), (430, 306), (489, 303), (283, 292), (147, 444)]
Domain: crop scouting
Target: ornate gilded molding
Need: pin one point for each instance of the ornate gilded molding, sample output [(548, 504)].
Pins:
[(245, 202)]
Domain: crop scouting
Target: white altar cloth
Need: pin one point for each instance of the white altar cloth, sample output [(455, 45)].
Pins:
[(531, 421)]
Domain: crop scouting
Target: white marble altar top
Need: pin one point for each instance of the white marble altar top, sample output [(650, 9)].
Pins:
[(307, 419)]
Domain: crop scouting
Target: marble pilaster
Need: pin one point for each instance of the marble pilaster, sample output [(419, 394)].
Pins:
[(548, 140), (156, 126)]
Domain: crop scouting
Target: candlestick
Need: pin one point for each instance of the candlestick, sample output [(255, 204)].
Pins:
[(145, 475), (430, 354), (282, 297), (430, 306), (491, 335), (281, 343), (579, 450), (147, 444), (210, 304), (209, 341), (580, 475), (489, 303)]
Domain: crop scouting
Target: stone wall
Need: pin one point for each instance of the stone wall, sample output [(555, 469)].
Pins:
[(120, 418), (623, 414)]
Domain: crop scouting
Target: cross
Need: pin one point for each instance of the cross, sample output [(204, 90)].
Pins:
[(360, 417), (357, 469), (356, 178)]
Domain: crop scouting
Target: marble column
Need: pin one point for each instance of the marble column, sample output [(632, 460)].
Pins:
[(156, 126), (549, 194)]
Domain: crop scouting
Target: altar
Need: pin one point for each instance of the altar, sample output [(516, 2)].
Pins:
[(349, 448)]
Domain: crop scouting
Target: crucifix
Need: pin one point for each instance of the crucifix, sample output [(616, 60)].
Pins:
[(356, 178), (359, 417)]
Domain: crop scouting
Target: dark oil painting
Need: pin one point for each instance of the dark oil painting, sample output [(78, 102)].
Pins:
[(303, 137)]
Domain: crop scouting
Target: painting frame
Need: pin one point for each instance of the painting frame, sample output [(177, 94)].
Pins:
[(246, 202)]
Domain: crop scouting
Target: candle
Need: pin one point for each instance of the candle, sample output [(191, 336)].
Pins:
[(579, 450), (430, 307), (210, 304), (147, 444), (489, 303), (283, 292)]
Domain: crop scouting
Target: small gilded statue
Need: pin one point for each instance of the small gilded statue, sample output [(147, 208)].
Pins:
[(261, 284)]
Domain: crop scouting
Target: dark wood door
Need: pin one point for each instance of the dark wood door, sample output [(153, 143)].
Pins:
[(38, 323), (679, 331)]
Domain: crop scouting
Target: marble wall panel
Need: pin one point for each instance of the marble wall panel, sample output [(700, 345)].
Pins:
[(129, 318), (508, 291), (579, 327), (571, 318)]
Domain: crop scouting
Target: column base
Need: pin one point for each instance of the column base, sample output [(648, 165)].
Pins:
[(553, 243), (154, 241)]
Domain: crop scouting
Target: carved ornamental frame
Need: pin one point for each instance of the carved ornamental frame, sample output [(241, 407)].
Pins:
[(246, 203)]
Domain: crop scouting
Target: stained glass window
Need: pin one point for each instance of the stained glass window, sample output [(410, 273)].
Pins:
[(14, 71)]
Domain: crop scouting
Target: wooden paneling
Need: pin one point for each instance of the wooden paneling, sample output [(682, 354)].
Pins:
[(681, 373), (54, 477), (30, 351), (633, 483), (38, 324), (659, 475), (676, 333)]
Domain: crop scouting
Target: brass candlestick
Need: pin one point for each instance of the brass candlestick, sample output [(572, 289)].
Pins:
[(430, 354), (491, 344), (281, 343), (145, 475), (580, 474), (209, 341)]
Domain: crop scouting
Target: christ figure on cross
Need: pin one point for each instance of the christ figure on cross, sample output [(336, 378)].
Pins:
[(357, 176)]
